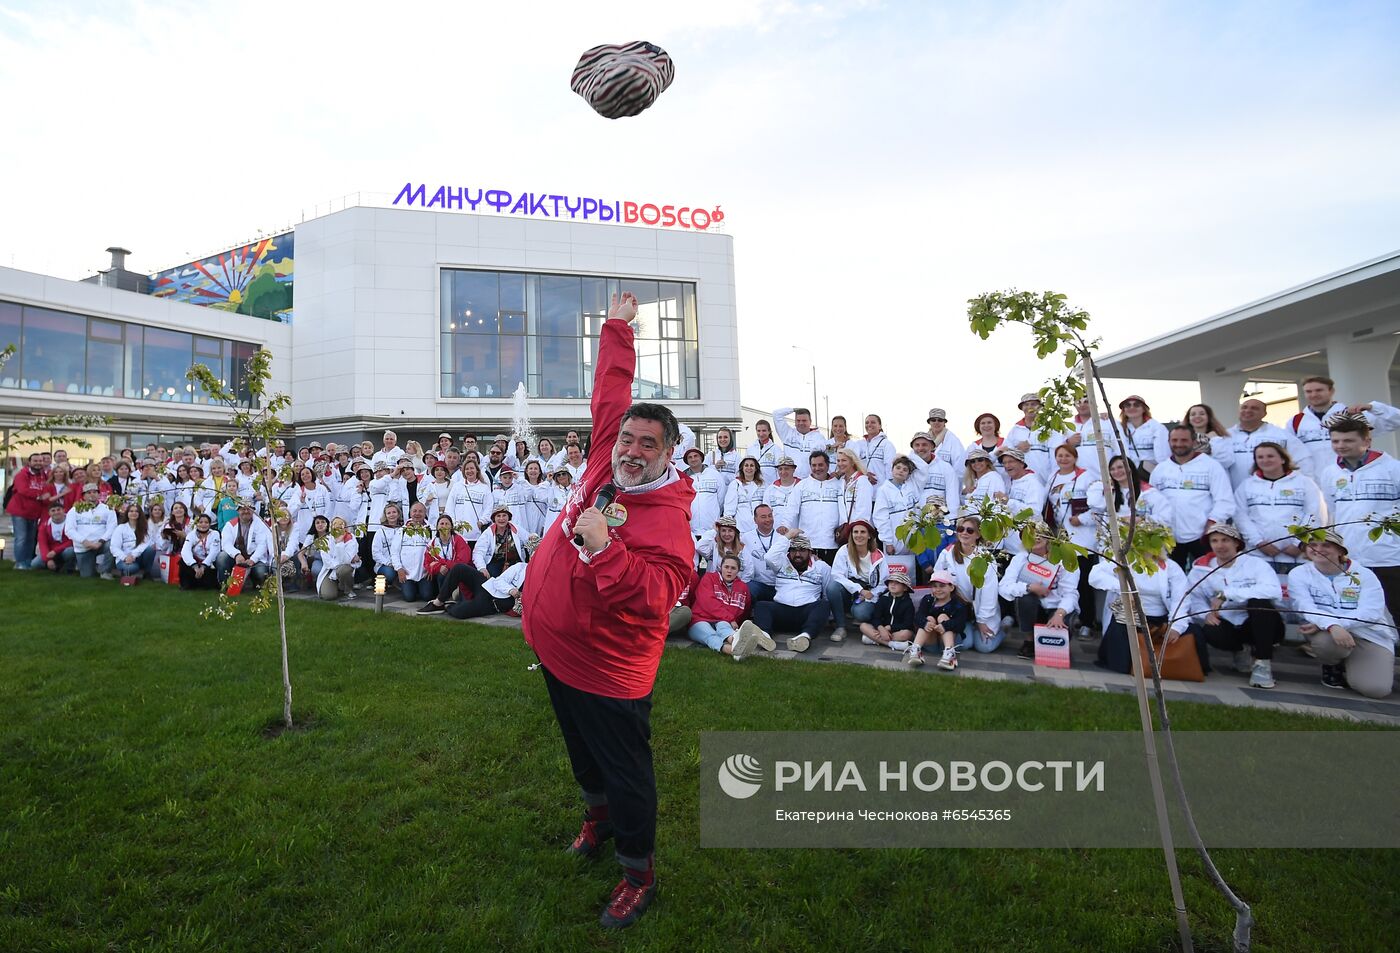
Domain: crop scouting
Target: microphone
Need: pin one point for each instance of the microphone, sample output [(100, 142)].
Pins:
[(606, 494)]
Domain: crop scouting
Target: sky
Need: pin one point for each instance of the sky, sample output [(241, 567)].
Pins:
[(878, 163)]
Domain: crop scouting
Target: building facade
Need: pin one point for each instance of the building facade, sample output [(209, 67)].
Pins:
[(412, 320)]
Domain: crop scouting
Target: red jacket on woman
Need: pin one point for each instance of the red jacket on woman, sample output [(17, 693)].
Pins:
[(461, 556), (712, 601)]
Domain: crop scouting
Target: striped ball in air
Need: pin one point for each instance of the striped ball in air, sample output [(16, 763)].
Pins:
[(620, 80)]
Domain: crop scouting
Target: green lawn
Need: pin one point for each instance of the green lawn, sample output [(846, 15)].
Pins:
[(141, 807)]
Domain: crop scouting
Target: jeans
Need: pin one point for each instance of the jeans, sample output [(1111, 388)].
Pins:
[(64, 561), (609, 746), (93, 561), (257, 572), (140, 566), (416, 591), (974, 639), (26, 539), (762, 591), (390, 574), (841, 600), (776, 617), (712, 635)]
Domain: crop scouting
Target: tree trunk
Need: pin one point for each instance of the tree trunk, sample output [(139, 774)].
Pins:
[(1129, 598)]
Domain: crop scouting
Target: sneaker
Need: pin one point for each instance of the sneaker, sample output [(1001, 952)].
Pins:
[(431, 607), (1086, 634), (899, 645), (350, 595), (914, 656), (1007, 622), (799, 643), (745, 641), (867, 640), (591, 837), (949, 661), (839, 635), (1027, 649), (107, 575), (629, 901), (1262, 675), (761, 638), (1335, 676), (1244, 661)]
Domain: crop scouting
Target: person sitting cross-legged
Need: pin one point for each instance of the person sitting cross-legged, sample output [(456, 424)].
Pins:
[(799, 604), (943, 616), (892, 623)]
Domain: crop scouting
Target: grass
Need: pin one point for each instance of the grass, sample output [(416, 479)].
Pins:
[(142, 808)]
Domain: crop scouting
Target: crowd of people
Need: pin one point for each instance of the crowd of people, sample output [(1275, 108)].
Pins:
[(795, 534)]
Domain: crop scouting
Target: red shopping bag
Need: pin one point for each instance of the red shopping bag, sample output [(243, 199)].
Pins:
[(1051, 647), (235, 580), (170, 569)]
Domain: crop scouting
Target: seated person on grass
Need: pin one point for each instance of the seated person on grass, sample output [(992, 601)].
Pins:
[(942, 618), (892, 623)]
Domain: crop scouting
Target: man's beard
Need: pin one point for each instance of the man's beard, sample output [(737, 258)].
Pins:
[(800, 563), (625, 476)]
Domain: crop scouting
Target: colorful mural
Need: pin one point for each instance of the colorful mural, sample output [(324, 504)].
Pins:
[(253, 279)]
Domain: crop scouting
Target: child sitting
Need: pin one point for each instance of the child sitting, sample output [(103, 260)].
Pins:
[(942, 615), (892, 624)]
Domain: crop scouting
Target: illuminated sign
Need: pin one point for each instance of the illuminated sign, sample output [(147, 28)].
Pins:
[(549, 205)]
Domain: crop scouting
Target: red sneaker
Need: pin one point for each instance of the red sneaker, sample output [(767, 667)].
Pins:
[(590, 838), (629, 901)]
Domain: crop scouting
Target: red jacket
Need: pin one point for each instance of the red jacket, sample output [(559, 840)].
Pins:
[(70, 496), (461, 554), (48, 546), (25, 504), (600, 626), (712, 601)]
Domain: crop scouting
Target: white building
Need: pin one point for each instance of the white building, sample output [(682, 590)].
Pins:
[(415, 320), (1345, 326)]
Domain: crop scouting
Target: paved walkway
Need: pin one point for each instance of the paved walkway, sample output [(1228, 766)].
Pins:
[(1298, 677)]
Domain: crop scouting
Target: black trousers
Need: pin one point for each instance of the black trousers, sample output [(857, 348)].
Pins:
[(188, 580), (1262, 630), (462, 574), (778, 617), (365, 571), (481, 602), (1030, 612), (609, 745), (1389, 577)]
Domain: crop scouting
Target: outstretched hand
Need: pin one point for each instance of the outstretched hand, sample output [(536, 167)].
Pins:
[(623, 308)]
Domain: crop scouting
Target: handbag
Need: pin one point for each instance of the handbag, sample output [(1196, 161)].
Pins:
[(1176, 661)]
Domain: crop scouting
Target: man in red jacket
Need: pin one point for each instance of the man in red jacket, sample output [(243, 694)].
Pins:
[(596, 614), (27, 507)]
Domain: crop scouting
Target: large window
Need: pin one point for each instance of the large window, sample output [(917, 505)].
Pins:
[(501, 329), (75, 354)]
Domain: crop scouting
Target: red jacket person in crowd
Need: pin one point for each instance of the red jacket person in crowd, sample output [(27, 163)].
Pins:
[(596, 612)]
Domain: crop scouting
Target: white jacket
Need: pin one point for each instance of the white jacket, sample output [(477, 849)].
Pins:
[(1041, 455), (1145, 444), (1067, 489), (726, 464), (1248, 577), (1088, 448), (950, 450), (383, 491), (384, 544), (1199, 490), (767, 456), (939, 478), (851, 577), (1240, 447), (794, 588), (705, 549), (356, 504), (198, 551), (816, 509), (1372, 490), (759, 547), (305, 505), (1353, 599), (1027, 493), (1264, 509), (1027, 568), (740, 500), (1317, 439), (1163, 593), (985, 605), (799, 446), (512, 577), (340, 552), (876, 453), (780, 499), (471, 504), (390, 456), (988, 485), (97, 524), (148, 491), (485, 547), (709, 498), (1151, 503), (256, 539), (124, 545), (406, 552), (893, 501)]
